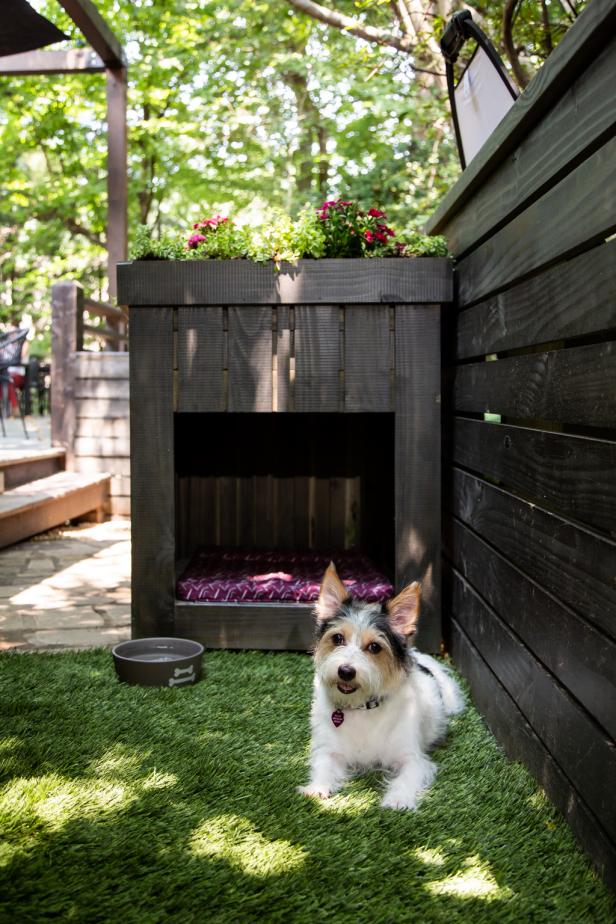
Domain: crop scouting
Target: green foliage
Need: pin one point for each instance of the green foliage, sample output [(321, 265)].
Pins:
[(148, 247), (421, 245)]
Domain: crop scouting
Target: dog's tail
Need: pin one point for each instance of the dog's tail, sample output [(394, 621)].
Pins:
[(451, 694)]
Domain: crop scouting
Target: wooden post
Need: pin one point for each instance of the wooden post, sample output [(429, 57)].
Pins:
[(66, 340), (117, 236)]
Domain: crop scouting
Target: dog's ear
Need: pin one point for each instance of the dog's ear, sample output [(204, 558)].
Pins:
[(404, 609), (332, 594)]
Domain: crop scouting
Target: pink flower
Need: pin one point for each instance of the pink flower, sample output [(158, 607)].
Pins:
[(194, 240), (369, 236), (376, 213), (380, 237)]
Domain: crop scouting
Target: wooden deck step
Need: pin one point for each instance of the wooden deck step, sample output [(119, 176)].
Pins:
[(21, 467), (39, 505)]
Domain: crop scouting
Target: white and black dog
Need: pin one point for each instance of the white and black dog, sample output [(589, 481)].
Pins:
[(377, 702)]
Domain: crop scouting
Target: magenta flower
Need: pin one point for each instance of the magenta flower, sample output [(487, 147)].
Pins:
[(376, 213)]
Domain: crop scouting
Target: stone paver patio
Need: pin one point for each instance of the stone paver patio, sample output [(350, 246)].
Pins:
[(68, 588)]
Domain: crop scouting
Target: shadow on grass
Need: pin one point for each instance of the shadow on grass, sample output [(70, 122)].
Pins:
[(162, 805)]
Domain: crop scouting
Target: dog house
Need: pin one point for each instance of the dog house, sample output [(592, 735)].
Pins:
[(280, 419)]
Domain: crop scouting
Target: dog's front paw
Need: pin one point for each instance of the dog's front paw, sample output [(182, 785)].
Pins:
[(402, 801), (314, 791)]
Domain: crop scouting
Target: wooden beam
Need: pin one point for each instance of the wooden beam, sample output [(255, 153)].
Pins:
[(87, 18), (117, 183), (52, 62)]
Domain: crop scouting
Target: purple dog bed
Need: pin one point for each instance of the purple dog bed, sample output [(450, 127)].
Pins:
[(263, 576)]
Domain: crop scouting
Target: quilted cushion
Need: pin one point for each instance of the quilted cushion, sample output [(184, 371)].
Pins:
[(218, 575)]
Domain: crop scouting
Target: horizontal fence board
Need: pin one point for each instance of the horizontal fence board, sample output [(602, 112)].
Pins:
[(565, 219), (573, 474), (120, 486), (367, 359), (102, 388), (580, 120), (579, 47), (580, 656), (200, 352), (586, 755), (106, 446), (119, 506), (572, 386), (105, 408), (241, 282), (114, 427), (250, 359), (101, 365), (97, 464), (577, 298), (521, 743), (573, 564)]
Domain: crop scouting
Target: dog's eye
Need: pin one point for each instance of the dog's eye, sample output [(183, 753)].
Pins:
[(374, 647), (338, 638)]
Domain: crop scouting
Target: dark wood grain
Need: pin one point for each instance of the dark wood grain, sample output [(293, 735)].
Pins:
[(576, 298), (275, 627), (152, 472), (581, 120), (585, 751), (309, 282), (367, 360), (572, 386), (418, 462), (574, 475), (572, 563), (566, 219), (284, 353), (200, 359), (522, 744), (582, 658), (317, 358), (250, 359), (580, 46)]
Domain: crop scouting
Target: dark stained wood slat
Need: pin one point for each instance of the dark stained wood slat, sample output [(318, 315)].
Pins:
[(522, 744), (579, 47), (309, 282), (573, 474), (250, 359), (577, 298), (200, 359), (227, 509), (317, 358), (152, 473), (572, 386), (264, 511), (564, 220), (418, 462), (581, 119), (573, 564), (582, 658), (285, 512), (567, 731), (367, 360), (283, 359), (265, 626)]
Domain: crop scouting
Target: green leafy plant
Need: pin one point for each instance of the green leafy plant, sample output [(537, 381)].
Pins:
[(147, 247)]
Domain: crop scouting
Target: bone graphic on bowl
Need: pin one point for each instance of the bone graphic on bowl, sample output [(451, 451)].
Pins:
[(174, 681), (184, 670)]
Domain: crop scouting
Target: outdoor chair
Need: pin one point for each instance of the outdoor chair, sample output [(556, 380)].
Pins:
[(11, 346)]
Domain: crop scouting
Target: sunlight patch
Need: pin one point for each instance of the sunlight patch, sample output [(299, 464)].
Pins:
[(474, 881), (429, 857), (236, 840)]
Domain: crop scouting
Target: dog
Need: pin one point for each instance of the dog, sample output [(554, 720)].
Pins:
[(377, 702)]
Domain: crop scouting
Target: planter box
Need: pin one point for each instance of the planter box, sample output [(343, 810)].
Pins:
[(296, 408)]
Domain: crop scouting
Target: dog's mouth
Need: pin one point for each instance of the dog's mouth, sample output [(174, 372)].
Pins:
[(346, 687)]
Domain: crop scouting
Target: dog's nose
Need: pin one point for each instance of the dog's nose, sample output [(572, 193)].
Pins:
[(346, 672)]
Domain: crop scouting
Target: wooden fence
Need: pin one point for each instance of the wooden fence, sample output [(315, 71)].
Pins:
[(530, 485), (89, 389)]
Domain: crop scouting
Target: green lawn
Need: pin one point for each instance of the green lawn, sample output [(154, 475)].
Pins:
[(122, 804)]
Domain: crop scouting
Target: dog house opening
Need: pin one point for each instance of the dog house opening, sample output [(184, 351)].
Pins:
[(264, 501)]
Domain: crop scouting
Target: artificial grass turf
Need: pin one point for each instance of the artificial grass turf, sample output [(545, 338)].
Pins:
[(124, 804)]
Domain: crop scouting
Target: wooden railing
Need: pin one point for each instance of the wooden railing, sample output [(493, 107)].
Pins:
[(89, 387)]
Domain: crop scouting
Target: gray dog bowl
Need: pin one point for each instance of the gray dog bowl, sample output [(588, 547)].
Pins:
[(158, 662)]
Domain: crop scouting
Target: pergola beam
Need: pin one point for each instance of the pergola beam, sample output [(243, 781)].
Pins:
[(28, 63), (87, 18)]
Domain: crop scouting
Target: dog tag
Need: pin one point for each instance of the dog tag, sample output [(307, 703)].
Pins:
[(337, 717)]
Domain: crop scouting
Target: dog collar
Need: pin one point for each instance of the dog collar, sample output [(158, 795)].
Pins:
[(338, 714)]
